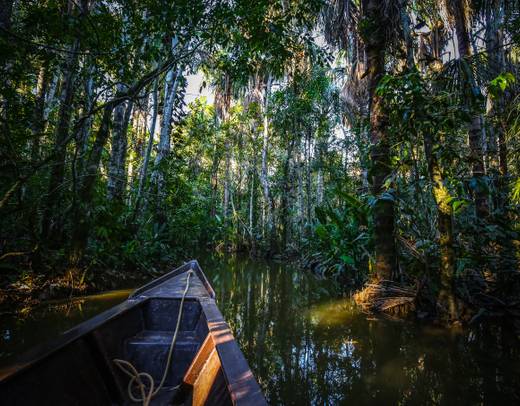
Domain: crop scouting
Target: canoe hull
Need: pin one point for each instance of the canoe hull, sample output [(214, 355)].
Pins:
[(78, 368)]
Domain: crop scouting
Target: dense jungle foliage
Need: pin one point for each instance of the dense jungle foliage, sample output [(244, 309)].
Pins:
[(373, 141)]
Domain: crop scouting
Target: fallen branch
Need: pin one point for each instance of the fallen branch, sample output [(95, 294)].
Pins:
[(18, 253)]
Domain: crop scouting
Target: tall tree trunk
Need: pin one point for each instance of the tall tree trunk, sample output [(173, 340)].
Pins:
[(319, 177), (163, 151), (227, 178), (308, 175), (117, 171), (441, 196), (123, 152), (458, 13), (148, 152), (214, 180), (383, 209), (227, 148), (38, 124), (252, 208), (496, 65), (117, 166), (82, 137), (82, 216), (300, 220), (117, 144), (82, 142), (286, 195), (55, 188), (407, 33), (50, 98), (264, 175)]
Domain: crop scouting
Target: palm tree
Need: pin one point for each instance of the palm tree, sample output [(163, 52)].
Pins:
[(372, 27)]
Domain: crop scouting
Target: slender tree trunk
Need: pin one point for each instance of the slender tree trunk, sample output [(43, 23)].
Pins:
[(227, 148), (124, 149), (441, 196), (82, 142), (117, 175), (383, 209), (458, 12), (264, 175), (300, 197), (50, 98), (252, 209), (496, 65), (308, 175), (83, 135), (227, 178), (319, 177), (117, 144), (137, 140), (214, 180), (286, 195), (408, 40), (55, 189), (38, 124), (148, 152), (163, 151), (82, 216)]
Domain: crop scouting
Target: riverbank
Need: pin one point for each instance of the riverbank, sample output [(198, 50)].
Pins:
[(19, 293), (22, 291)]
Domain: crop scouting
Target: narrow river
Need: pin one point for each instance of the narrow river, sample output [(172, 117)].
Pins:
[(306, 345)]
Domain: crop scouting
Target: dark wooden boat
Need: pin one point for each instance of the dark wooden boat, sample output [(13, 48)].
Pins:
[(78, 368)]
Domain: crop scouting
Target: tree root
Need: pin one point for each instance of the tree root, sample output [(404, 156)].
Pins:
[(386, 297)]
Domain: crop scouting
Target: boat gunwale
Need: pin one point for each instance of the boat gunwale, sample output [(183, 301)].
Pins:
[(41, 351), (241, 383), (242, 387)]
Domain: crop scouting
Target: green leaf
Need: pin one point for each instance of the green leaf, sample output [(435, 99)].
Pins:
[(498, 85), (516, 191), (458, 205), (321, 231), (348, 260)]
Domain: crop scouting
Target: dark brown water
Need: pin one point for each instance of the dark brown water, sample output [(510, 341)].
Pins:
[(308, 346), (21, 332)]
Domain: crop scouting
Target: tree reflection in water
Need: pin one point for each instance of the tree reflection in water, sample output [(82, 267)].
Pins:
[(23, 330), (305, 347)]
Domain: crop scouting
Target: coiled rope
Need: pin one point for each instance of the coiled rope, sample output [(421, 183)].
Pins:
[(136, 377)]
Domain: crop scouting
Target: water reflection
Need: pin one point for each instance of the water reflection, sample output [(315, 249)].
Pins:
[(22, 331), (306, 348)]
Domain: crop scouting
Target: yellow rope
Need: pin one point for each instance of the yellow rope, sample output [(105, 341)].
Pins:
[(136, 376)]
